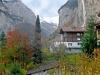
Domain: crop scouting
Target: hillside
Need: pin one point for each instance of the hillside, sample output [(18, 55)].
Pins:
[(48, 28)]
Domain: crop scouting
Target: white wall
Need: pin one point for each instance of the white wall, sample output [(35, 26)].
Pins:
[(74, 44), (41, 73)]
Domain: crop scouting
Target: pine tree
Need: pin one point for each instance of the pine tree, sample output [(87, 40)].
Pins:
[(37, 42), (2, 50), (2, 40), (89, 40)]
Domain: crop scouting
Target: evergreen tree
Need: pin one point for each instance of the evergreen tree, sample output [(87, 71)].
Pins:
[(16, 70), (89, 40), (2, 40), (37, 42), (2, 50)]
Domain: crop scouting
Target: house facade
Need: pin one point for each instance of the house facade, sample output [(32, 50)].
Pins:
[(98, 33), (71, 37)]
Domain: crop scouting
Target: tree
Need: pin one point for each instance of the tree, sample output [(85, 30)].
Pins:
[(37, 42), (19, 46), (3, 60), (2, 39), (15, 49), (16, 70), (89, 40), (60, 51)]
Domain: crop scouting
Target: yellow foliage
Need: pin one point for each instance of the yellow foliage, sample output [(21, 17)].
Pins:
[(84, 65), (89, 66), (46, 52)]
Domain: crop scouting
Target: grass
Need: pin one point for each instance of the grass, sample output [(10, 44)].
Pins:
[(67, 57)]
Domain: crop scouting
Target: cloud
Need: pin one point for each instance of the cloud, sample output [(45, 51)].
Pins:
[(45, 8), (27, 2), (43, 4), (54, 19)]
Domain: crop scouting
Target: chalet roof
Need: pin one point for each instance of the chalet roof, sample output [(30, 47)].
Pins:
[(43, 67), (68, 28)]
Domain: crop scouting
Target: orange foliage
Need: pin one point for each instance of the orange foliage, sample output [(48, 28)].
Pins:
[(15, 38), (19, 44)]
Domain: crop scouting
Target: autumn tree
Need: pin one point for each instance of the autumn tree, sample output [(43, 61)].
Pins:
[(37, 42), (18, 44)]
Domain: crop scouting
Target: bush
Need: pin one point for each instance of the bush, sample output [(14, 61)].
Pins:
[(16, 70)]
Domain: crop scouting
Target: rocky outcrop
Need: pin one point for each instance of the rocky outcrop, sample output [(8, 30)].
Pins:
[(87, 8), (6, 20), (14, 14), (76, 12), (19, 12), (68, 12)]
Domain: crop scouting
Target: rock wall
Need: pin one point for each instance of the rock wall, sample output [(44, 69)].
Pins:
[(68, 12), (74, 12), (14, 14)]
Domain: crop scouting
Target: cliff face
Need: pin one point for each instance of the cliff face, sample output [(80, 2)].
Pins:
[(6, 20), (13, 13), (87, 8), (76, 12), (68, 12), (19, 12)]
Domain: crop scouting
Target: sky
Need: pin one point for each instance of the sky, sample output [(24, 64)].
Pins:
[(46, 9)]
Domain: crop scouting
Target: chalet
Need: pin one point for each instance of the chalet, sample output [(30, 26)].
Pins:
[(71, 37)]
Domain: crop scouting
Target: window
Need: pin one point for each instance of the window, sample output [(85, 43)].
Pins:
[(69, 44), (78, 39), (98, 42), (78, 34), (79, 43), (69, 49)]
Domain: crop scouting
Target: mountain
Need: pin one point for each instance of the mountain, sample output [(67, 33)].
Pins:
[(14, 14), (48, 28), (76, 12), (68, 12), (19, 12)]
